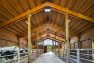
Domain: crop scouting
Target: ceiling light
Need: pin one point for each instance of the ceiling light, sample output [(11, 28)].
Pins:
[(47, 27), (47, 10)]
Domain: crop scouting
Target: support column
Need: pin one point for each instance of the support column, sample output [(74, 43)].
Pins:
[(92, 48), (52, 45), (37, 44), (67, 38), (29, 39), (79, 42), (64, 51), (43, 44), (55, 45), (18, 42), (58, 45)]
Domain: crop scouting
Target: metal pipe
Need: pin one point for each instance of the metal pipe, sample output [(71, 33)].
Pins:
[(18, 55), (78, 56)]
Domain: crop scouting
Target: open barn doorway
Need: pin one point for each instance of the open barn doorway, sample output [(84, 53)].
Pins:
[(49, 45), (48, 48)]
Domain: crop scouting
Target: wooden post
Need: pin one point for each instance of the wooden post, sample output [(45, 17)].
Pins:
[(29, 39), (43, 44), (92, 48), (58, 44), (37, 44), (18, 39), (37, 48), (53, 45), (79, 42), (64, 50), (67, 38)]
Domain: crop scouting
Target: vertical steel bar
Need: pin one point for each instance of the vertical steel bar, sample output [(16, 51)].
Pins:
[(18, 55), (78, 55)]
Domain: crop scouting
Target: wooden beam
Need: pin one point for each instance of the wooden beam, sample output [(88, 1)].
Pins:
[(65, 10), (40, 7), (44, 38), (23, 15), (51, 36), (42, 27)]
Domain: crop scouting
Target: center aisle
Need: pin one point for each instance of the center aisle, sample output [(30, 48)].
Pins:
[(48, 58)]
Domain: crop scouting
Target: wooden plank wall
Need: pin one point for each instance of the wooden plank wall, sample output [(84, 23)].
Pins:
[(73, 42), (22, 42), (85, 39), (87, 35), (9, 39)]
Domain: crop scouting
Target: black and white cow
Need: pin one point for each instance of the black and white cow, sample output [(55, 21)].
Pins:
[(23, 51), (8, 54), (12, 53)]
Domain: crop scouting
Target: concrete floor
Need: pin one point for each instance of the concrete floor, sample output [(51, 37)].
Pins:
[(48, 58)]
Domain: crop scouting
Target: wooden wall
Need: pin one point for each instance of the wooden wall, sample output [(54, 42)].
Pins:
[(9, 39), (73, 42), (87, 35), (85, 39), (22, 42)]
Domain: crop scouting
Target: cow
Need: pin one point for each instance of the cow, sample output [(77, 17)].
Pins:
[(8, 54), (22, 52)]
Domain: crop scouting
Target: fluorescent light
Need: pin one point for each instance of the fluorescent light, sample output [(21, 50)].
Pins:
[(47, 10)]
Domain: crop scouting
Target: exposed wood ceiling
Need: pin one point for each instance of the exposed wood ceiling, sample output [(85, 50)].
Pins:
[(9, 9)]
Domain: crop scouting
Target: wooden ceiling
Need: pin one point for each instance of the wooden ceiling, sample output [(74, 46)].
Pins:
[(10, 9)]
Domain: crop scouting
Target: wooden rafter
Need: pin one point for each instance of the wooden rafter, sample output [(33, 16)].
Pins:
[(43, 27), (23, 15), (51, 36), (54, 6), (61, 9)]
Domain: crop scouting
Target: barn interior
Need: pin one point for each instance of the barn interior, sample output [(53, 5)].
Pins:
[(30, 29)]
